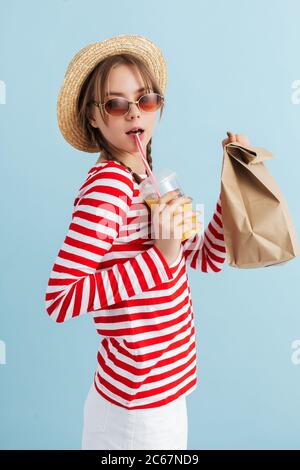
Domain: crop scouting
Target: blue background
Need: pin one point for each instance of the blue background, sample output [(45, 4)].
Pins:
[(231, 66)]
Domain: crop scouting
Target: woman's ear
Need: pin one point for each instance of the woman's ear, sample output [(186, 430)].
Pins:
[(93, 123), (91, 117)]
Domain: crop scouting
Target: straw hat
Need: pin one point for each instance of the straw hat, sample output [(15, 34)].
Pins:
[(84, 62)]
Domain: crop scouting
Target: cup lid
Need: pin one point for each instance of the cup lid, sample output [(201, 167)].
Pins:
[(162, 176), (165, 173)]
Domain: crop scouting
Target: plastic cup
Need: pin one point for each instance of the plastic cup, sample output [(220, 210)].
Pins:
[(167, 181)]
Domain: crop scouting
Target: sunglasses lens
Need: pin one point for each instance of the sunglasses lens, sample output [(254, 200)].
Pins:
[(117, 106), (150, 102)]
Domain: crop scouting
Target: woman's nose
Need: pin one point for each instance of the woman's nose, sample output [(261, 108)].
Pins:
[(133, 109)]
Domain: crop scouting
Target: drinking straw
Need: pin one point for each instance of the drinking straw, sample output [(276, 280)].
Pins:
[(148, 169)]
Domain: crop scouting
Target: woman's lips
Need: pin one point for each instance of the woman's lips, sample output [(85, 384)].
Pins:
[(141, 136)]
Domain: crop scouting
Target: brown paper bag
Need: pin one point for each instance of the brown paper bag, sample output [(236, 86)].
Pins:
[(258, 229)]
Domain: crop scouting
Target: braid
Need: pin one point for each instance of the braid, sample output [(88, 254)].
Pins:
[(149, 156)]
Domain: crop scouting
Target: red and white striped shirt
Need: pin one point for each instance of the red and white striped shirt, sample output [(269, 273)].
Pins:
[(109, 267)]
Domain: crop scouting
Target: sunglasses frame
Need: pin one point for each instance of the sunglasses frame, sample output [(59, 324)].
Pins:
[(129, 104)]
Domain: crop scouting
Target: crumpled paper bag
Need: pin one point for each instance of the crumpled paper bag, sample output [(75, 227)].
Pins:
[(258, 229)]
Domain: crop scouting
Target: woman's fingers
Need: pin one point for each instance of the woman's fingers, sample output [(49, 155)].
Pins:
[(169, 196), (180, 218), (174, 204), (190, 217), (232, 137), (224, 142), (189, 223), (171, 203), (172, 216), (159, 204), (243, 139)]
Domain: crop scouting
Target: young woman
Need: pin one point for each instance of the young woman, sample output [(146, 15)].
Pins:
[(133, 285)]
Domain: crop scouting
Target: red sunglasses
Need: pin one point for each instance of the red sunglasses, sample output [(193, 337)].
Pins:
[(120, 106)]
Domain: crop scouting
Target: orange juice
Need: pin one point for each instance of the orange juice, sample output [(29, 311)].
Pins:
[(187, 207)]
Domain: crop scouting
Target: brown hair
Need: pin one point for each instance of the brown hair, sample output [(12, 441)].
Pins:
[(94, 85)]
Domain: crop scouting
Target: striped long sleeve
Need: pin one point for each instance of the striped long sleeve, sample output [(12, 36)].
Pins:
[(206, 251), (77, 283)]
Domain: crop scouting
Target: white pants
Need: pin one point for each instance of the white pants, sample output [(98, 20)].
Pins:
[(108, 426)]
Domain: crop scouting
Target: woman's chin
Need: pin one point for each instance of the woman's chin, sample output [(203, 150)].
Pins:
[(132, 143)]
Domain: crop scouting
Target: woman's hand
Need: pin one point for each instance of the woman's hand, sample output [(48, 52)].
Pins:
[(241, 138), (167, 215)]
